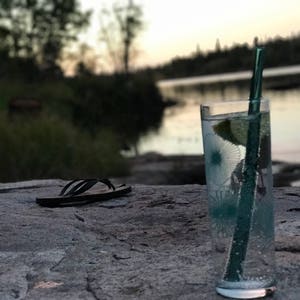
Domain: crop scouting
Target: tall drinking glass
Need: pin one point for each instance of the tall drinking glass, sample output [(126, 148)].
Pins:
[(242, 231)]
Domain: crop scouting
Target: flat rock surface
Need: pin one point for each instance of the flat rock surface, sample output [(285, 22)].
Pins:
[(151, 244)]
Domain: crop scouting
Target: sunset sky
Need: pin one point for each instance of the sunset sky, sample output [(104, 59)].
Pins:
[(175, 28)]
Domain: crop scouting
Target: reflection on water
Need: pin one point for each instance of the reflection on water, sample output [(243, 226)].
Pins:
[(181, 132)]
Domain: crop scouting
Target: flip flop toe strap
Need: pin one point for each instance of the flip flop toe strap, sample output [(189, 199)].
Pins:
[(82, 186)]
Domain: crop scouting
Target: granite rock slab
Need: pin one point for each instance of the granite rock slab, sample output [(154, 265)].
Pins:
[(152, 244)]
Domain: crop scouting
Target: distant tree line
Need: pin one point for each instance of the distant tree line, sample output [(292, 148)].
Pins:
[(34, 34), (279, 52)]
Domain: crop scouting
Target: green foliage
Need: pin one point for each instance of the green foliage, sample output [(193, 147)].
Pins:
[(8, 89), (39, 29), (84, 124), (130, 106), (55, 96), (47, 147)]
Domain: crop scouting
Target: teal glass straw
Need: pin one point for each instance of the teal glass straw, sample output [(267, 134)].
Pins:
[(238, 251)]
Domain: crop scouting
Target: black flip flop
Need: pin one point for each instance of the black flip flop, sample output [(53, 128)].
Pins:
[(76, 192)]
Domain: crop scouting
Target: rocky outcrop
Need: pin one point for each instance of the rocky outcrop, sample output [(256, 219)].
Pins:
[(152, 244)]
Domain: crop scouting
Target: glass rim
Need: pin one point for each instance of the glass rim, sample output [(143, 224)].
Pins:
[(233, 101)]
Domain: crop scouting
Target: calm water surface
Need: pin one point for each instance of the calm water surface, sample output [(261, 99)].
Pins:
[(180, 132)]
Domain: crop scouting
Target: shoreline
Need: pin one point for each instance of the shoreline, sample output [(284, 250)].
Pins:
[(153, 168)]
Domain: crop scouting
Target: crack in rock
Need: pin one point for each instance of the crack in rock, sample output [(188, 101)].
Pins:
[(292, 249), (90, 290)]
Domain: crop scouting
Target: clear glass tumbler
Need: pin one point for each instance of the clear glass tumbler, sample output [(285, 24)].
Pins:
[(240, 197)]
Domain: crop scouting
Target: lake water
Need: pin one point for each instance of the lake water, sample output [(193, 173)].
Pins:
[(180, 132)]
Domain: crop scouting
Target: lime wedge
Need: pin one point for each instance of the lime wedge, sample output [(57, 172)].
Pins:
[(229, 131), (235, 130)]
